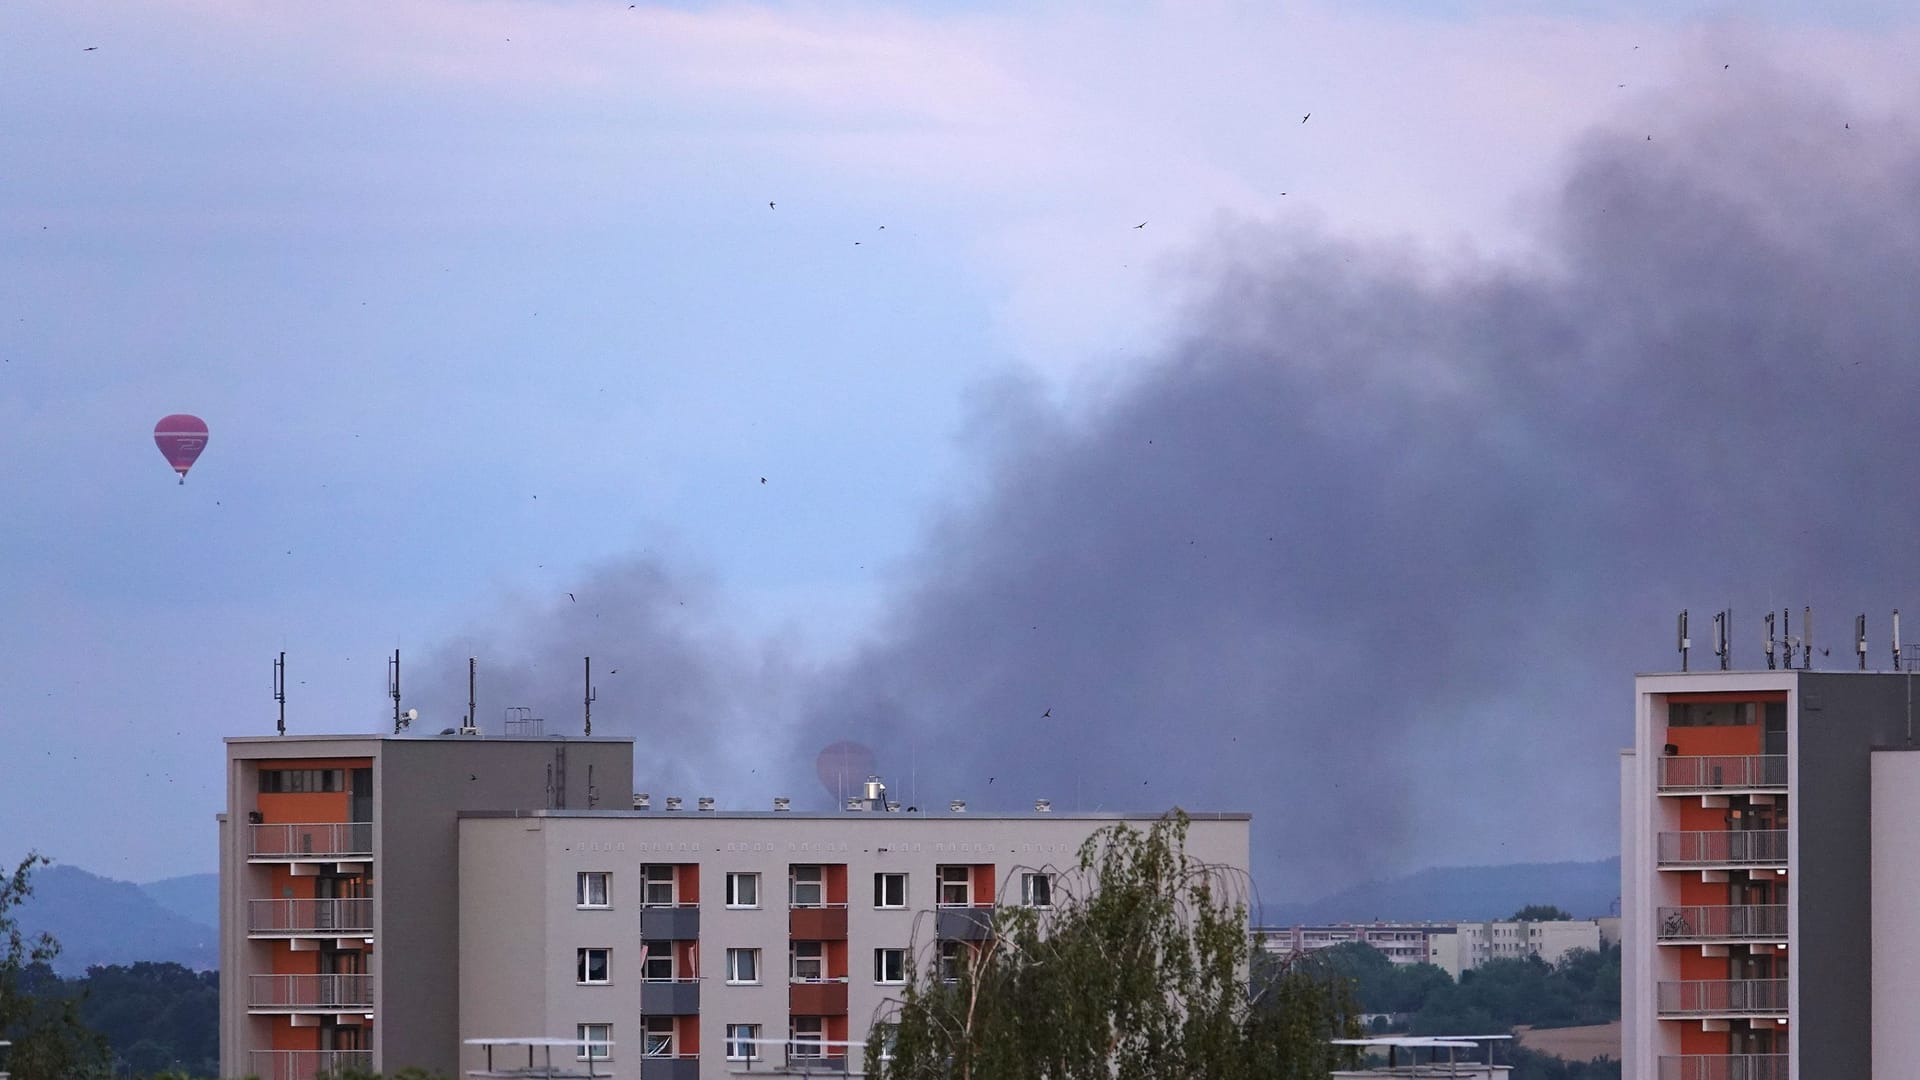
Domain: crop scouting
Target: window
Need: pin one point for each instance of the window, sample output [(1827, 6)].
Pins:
[(886, 1034), (658, 965), (890, 966), (889, 890), (807, 887), (741, 1045), (596, 1041), (743, 890), (594, 966), (281, 781), (807, 1034), (590, 889), (1036, 890), (656, 885), (659, 1034), (956, 886), (950, 961), (809, 961), (743, 965)]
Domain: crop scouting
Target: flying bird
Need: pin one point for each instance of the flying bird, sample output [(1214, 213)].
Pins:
[(1306, 118), (570, 597), (1046, 714), (1142, 225), (91, 48), (769, 206), (763, 479)]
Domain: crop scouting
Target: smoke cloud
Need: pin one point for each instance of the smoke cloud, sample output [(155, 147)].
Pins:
[(1374, 551)]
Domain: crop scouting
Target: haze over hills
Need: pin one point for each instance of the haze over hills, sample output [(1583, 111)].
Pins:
[(99, 920), (1465, 893)]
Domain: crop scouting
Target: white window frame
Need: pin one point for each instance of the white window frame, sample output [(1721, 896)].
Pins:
[(880, 890), (752, 957), (583, 968), (888, 1034), (947, 879), (742, 1044), (648, 881), (1027, 882), (899, 965), (593, 1033), (734, 882), (583, 892), (662, 955), (656, 1043), (815, 1038), (949, 961), (819, 884), (794, 958)]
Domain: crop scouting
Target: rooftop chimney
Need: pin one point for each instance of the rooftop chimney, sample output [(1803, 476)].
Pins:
[(706, 802), (1043, 806), (673, 802), (958, 806), (782, 804), (642, 800)]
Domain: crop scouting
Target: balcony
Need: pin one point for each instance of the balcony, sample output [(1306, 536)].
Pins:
[(670, 997), (1691, 850), (307, 1064), (677, 923), (309, 993), (325, 842), (309, 918), (1750, 922), (817, 997), (825, 923), (670, 1067), (1724, 1067), (1694, 775), (1725, 998), (963, 922)]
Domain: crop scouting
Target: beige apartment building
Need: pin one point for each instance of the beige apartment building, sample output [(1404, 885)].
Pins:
[(386, 899)]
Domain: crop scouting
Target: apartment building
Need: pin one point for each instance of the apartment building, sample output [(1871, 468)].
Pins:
[(1770, 835), (338, 899), (705, 943), (1453, 947)]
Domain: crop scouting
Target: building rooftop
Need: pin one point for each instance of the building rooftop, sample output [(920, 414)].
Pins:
[(941, 813), (424, 736)]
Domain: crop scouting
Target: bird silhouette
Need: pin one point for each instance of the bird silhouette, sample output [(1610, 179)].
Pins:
[(1306, 118), (1142, 225), (769, 206), (1046, 714), (91, 48), (570, 597), (763, 479)]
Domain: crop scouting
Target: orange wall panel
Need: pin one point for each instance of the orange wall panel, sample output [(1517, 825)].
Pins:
[(837, 959), (1715, 741), (1695, 1041), (687, 882), (288, 962), (836, 883), (983, 885), (1693, 966), (288, 1037), (303, 807), (836, 1031), (686, 1034), (1695, 891), (1697, 818)]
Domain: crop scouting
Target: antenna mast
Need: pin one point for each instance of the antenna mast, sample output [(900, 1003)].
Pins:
[(590, 695), (1685, 642), (393, 691), (470, 719), (1860, 638), (280, 688), (1770, 662), (1720, 649), (1806, 630), (1896, 639)]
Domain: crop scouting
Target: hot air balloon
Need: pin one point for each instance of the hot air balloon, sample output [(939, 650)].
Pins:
[(843, 768), (180, 438)]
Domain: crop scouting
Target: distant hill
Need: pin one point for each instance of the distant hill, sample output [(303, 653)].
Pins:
[(101, 921), (1466, 893), (195, 896)]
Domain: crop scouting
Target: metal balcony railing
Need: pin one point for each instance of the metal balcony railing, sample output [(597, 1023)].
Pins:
[(1718, 773), (316, 993), (320, 917), (1748, 922), (1724, 1067), (307, 1064), (324, 841), (1724, 997), (1751, 848)]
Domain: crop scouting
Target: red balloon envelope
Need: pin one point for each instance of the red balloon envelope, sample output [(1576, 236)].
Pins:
[(180, 438)]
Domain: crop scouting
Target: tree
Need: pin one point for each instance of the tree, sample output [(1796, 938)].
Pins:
[(1140, 971), (1541, 913), (42, 1022)]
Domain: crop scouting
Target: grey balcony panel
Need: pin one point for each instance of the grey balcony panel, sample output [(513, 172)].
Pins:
[(670, 923), (679, 998), (666, 1068), (963, 923)]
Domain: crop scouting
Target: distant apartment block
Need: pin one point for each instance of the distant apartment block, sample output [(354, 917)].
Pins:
[(386, 899), (1770, 834), (1454, 947)]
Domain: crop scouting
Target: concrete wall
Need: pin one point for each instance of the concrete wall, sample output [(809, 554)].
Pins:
[(1896, 913)]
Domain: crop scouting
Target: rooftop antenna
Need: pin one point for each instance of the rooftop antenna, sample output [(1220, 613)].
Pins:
[(1770, 660), (393, 691), (1896, 639), (1806, 631), (280, 687), (1786, 636), (1860, 638), (1685, 642), (590, 695), (1720, 649), (471, 722)]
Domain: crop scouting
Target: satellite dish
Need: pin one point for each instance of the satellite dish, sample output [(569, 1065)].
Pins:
[(411, 715)]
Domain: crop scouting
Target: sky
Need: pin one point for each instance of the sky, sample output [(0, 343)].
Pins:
[(1314, 409)]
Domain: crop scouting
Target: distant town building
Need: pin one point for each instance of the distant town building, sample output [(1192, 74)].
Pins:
[(1452, 946)]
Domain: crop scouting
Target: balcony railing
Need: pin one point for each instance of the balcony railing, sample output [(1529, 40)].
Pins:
[(310, 993), (316, 917), (1724, 997), (1723, 773), (1750, 922), (324, 842), (1724, 1067), (1752, 848), (307, 1064)]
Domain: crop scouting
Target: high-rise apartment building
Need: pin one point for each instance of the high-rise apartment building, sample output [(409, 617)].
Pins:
[(385, 899), (1770, 842)]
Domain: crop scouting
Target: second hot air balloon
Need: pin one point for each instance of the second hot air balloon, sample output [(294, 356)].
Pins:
[(180, 438)]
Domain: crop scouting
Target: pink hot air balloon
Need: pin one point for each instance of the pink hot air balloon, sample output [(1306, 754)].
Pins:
[(843, 768), (180, 438)]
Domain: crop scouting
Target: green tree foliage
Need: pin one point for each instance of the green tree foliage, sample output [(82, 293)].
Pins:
[(157, 1017), (49, 1040), (1541, 913), (1139, 972)]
